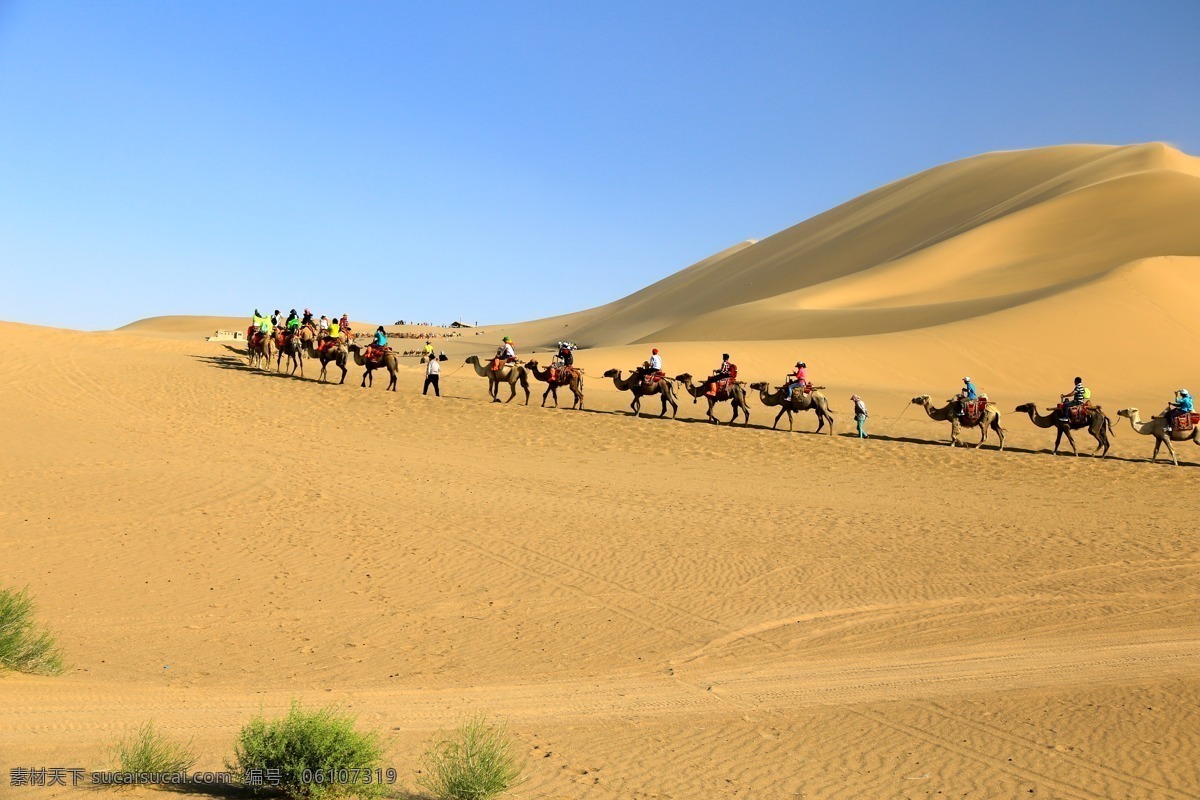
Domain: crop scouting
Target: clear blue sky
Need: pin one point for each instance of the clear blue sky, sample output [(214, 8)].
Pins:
[(509, 159)]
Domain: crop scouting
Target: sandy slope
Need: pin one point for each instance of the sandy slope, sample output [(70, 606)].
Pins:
[(661, 608)]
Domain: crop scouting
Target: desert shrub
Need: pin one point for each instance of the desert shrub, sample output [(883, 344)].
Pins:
[(24, 646), (477, 761), (150, 751), (312, 753)]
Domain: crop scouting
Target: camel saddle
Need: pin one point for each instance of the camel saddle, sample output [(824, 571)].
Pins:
[(255, 336), (651, 378), (375, 353), (1077, 415), (973, 410), (1185, 421), (329, 344), (559, 374), (719, 390)]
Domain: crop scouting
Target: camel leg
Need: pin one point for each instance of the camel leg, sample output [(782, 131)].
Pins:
[(711, 416), (999, 432), (366, 375), (512, 387), (1071, 441), (674, 406), (777, 417), (344, 371), (544, 396), (636, 405), (954, 433), (392, 382)]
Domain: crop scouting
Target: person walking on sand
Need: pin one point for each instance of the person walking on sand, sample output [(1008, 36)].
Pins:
[(860, 415), (433, 370)]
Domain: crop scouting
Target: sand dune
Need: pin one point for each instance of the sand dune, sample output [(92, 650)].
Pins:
[(662, 609), (981, 235)]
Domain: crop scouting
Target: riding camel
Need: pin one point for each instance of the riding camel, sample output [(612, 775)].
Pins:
[(336, 355), (736, 394), (1097, 424), (292, 346), (260, 349), (800, 401), (567, 376), (990, 418), (1157, 427), (508, 373), (665, 388), (386, 360)]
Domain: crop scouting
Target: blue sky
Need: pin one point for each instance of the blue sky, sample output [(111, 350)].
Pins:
[(509, 160)]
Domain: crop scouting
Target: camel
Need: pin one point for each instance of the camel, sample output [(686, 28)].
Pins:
[(388, 360), (260, 351), (1157, 427), (801, 401), (664, 388), (337, 355), (571, 377), (1097, 424), (292, 347), (736, 392), (990, 419), (508, 373)]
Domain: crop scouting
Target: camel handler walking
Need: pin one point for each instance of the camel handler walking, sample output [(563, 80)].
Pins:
[(860, 415), (433, 371)]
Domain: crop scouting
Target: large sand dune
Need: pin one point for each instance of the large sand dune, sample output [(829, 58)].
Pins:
[(662, 609)]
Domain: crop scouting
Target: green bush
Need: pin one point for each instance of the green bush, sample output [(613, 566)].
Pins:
[(477, 762), (23, 646), (150, 751), (307, 752)]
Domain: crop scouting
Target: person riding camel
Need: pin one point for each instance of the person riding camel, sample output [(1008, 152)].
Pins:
[(798, 378), (651, 366), (427, 353), (505, 354), (335, 330), (293, 322), (566, 354), (1078, 396), (968, 393), (379, 344), (1182, 404), (308, 318), (323, 327), (724, 373)]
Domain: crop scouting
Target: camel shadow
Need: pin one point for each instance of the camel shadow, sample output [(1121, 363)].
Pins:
[(238, 363), (991, 445)]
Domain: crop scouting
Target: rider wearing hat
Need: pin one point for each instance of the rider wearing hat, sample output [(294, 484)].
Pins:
[(797, 378), (1182, 404)]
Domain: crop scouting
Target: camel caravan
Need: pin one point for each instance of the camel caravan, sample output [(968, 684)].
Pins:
[(331, 342)]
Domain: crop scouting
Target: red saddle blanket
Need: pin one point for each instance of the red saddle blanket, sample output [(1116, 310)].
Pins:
[(651, 378), (374, 353), (719, 390), (973, 410), (562, 374), (1077, 415), (1185, 422), (329, 345)]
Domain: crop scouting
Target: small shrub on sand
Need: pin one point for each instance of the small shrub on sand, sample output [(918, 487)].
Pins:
[(314, 754), (478, 761), (150, 751), (23, 646)]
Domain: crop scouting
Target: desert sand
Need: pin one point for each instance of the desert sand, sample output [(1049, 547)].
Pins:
[(663, 608)]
